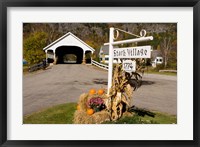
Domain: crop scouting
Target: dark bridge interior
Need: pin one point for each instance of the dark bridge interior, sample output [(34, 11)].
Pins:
[(69, 55)]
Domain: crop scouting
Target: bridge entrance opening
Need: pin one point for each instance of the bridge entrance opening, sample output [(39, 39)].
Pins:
[(88, 56), (69, 55), (70, 58)]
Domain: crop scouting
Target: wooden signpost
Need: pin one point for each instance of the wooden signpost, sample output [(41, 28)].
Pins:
[(132, 52), (129, 66), (129, 52)]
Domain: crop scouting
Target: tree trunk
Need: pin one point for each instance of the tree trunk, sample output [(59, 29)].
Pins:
[(165, 65)]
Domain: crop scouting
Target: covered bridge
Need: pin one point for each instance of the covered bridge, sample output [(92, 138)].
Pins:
[(68, 49)]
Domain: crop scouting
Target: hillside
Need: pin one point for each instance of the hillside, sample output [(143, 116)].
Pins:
[(38, 35)]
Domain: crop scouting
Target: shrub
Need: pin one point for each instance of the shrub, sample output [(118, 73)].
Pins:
[(159, 67), (32, 47)]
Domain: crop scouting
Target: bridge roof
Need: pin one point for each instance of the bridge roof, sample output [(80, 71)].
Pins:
[(65, 36)]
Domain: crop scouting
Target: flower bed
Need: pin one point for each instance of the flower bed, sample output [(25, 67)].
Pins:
[(91, 109)]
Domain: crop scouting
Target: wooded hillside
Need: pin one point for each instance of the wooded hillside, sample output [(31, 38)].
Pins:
[(38, 35)]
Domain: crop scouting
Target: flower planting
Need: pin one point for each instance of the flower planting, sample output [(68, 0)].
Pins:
[(92, 108), (96, 103)]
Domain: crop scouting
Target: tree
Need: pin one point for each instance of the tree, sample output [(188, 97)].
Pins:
[(96, 34), (168, 43), (166, 46), (33, 47)]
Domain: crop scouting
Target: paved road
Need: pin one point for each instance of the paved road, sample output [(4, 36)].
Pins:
[(65, 82), (158, 92)]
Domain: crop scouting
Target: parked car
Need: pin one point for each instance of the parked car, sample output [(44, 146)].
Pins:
[(158, 60), (24, 62)]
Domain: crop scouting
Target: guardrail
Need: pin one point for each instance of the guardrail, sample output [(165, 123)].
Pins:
[(102, 66), (35, 67)]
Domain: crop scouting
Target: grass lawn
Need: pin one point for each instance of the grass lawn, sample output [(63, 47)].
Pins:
[(160, 118), (63, 114), (150, 70), (60, 114), (161, 73), (25, 69)]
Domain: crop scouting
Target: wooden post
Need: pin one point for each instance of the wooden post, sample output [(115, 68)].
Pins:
[(83, 61), (46, 56), (110, 68), (111, 43), (54, 56)]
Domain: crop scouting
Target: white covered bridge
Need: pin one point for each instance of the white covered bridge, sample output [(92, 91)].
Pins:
[(68, 49)]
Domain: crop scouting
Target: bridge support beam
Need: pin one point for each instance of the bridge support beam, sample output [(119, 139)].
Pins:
[(83, 61), (54, 57), (46, 56)]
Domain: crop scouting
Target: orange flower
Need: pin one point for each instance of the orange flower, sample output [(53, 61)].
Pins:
[(92, 91), (90, 111), (100, 91)]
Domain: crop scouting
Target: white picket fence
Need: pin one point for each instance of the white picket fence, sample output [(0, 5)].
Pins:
[(102, 66)]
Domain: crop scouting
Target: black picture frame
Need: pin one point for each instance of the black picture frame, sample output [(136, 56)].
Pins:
[(4, 4)]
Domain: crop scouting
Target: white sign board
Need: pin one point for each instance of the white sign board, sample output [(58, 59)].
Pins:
[(132, 52), (129, 66)]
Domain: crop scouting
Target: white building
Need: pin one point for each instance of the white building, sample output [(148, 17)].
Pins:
[(156, 57), (104, 55), (68, 49)]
